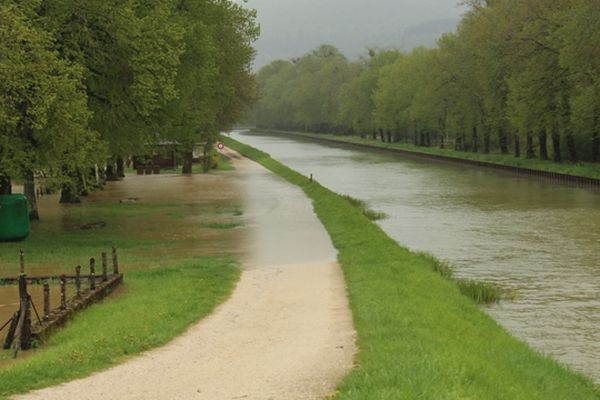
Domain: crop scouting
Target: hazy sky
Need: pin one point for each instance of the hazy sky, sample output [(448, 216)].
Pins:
[(292, 27)]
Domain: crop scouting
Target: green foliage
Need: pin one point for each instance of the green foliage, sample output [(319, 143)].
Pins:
[(419, 337), (85, 83), (43, 105), (520, 74)]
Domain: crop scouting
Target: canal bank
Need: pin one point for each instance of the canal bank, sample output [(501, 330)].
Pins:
[(533, 237), (418, 336), (560, 173)]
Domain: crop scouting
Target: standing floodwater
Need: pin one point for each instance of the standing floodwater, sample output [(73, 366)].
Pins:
[(539, 238)]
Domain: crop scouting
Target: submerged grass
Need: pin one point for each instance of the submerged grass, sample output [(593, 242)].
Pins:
[(364, 208), (222, 225), (419, 337), (478, 291)]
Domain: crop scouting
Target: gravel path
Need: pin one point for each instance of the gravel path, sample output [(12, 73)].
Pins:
[(286, 333)]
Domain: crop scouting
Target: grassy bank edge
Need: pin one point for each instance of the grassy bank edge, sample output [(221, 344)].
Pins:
[(155, 306), (418, 336), (587, 170)]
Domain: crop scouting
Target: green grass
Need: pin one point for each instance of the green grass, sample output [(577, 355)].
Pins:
[(158, 303), (418, 336), (478, 291), (584, 169), (168, 285), (224, 164), (364, 208)]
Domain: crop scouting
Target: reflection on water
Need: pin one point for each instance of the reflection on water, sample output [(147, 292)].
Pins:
[(539, 238)]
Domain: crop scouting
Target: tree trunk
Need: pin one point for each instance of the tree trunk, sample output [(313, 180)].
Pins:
[(517, 146), (595, 147), (571, 147), (442, 143), (120, 167), (5, 185), (543, 138), (503, 141), (69, 195), (207, 164), (389, 136), (459, 143), (111, 174), (595, 138), (188, 158), (382, 135), (427, 139), (556, 155), (475, 140), (486, 141), (29, 189), (415, 135), (530, 150)]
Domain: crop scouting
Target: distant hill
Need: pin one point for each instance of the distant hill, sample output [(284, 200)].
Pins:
[(290, 28), (424, 34)]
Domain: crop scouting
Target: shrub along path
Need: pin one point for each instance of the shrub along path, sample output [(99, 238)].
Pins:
[(286, 333)]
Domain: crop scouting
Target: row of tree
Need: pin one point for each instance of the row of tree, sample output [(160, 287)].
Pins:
[(84, 84), (518, 75)]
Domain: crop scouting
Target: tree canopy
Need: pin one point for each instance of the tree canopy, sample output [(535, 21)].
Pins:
[(85, 83), (516, 73)]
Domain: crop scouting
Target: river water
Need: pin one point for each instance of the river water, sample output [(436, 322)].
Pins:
[(538, 238)]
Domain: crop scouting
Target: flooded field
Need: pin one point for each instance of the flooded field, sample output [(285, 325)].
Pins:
[(153, 220), (537, 238)]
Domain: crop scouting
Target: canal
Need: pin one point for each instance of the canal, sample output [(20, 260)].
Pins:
[(537, 238)]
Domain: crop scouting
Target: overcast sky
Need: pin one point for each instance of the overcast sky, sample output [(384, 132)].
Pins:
[(290, 28)]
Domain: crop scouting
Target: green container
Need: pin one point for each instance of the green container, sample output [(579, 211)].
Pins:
[(14, 218)]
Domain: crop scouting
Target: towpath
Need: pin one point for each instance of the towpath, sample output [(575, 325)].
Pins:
[(286, 333)]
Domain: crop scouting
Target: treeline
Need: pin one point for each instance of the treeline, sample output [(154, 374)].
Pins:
[(86, 83), (520, 76)]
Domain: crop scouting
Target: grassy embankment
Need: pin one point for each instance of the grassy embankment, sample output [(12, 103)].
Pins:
[(419, 338), (589, 170), (166, 289)]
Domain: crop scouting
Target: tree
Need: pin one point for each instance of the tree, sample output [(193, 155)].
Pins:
[(129, 51), (43, 107)]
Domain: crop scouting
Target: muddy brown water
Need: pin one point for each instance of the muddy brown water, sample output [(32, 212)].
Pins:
[(533, 236), (193, 225)]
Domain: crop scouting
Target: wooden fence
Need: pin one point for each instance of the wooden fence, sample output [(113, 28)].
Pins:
[(23, 332)]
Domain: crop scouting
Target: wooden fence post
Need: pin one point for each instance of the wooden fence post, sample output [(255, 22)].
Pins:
[(115, 261), (10, 336), (78, 280), (63, 292), (104, 267), (22, 262), (46, 301), (92, 274), (25, 311)]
